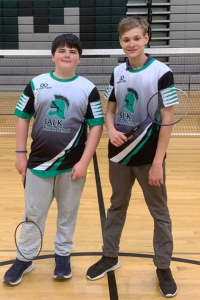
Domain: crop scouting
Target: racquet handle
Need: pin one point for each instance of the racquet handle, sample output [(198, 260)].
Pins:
[(130, 132)]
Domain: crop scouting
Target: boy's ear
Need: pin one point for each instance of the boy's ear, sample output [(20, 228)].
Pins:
[(79, 59), (146, 38), (120, 41)]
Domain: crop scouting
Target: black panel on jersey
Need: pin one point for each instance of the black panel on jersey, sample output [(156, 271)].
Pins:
[(112, 95), (165, 81), (94, 96), (112, 79), (140, 158), (30, 104), (72, 157)]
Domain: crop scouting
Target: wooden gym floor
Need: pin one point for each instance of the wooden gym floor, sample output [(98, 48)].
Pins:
[(136, 278)]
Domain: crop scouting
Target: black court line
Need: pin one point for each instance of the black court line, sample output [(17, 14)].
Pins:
[(123, 254), (111, 275), (147, 253), (99, 192)]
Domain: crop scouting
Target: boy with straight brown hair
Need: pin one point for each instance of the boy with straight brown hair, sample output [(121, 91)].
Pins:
[(141, 156)]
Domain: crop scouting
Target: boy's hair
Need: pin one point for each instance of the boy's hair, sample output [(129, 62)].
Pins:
[(70, 40), (131, 22)]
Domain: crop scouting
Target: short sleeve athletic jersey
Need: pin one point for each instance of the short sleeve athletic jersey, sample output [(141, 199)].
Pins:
[(62, 109), (131, 90)]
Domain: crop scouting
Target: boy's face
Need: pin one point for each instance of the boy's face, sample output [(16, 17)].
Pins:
[(66, 58), (133, 42)]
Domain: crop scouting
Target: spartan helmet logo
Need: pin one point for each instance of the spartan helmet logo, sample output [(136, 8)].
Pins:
[(130, 99), (59, 104)]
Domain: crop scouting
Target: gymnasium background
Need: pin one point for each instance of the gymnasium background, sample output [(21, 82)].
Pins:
[(33, 24)]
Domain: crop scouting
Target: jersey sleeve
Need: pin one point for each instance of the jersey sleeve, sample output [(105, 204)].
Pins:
[(94, 115), (166, 81), (110, 91), (25, 105)]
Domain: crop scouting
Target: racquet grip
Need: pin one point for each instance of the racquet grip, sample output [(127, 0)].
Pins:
[(130, 132)]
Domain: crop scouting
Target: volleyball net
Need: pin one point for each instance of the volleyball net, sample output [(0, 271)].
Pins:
[(18, 67)]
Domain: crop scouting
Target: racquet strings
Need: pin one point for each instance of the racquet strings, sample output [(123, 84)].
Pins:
[(28, 239), (168, 106)]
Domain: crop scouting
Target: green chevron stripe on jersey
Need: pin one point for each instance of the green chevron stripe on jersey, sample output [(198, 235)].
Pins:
[(21, 106), (169, 97), (97, 109)]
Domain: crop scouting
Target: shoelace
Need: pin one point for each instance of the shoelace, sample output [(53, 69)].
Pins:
[(60, 260), (17, 265), (166, 274), (102, 262)]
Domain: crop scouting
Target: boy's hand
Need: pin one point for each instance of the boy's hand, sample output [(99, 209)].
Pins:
[(156, 175), (21, 164), (118, 138), (79, 171)]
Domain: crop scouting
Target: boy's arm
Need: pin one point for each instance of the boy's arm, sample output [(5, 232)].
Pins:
[(117, 138), (21, 141), (156, 170), (80, 169)]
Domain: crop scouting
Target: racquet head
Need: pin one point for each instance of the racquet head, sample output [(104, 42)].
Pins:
[(168, 107), (28, 239)]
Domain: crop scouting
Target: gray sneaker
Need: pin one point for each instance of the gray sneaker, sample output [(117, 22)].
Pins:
[(103, 266)]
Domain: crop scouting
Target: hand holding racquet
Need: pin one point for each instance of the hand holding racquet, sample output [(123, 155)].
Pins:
[(166, 108)]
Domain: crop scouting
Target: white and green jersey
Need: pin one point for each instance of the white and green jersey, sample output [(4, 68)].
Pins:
[(62, 109), (131, 90)]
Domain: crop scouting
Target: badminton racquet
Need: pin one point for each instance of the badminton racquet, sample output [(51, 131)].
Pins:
[(28, 239), (166, 108)]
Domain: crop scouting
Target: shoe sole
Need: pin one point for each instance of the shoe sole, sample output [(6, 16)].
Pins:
[(62, 276), (168, 295), (104, 273), (29, 269)]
